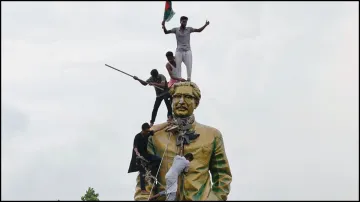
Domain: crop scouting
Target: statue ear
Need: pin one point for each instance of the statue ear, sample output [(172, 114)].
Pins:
[(197, 102)]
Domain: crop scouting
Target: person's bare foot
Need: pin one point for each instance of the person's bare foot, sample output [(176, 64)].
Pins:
[(152, 198), (145, 192)]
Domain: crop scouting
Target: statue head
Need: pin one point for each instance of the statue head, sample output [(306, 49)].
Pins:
[(185, 98)]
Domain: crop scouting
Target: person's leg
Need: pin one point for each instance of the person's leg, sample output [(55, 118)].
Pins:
[(155, 164), (142, 180), (171, 186), (167, 100), (188, 63), (171, 183), (171, 82), (178, 61), (162, 193), (170, 98), (155, 110), (171, 196)]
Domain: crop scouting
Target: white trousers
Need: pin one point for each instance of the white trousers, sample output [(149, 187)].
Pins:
[(185, 57)]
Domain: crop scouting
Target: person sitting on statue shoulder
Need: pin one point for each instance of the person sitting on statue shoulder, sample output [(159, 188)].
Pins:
[(209, 176)]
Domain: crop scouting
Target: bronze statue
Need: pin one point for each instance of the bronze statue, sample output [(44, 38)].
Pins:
[(185, 135)]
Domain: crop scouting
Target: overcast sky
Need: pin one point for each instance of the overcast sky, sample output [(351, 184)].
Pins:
[(279, 80)]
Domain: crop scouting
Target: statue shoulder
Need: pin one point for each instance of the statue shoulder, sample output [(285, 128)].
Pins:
[(160, 126), (159, 129), (209, 129)]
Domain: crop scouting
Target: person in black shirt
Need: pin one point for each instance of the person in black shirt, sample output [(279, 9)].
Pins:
[(158, 80), (140, 149)]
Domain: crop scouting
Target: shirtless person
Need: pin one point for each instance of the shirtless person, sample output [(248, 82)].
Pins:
[(180, 164), (172, 69)]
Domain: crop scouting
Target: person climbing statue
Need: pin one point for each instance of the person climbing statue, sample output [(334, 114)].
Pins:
[(180, 164), (140, 149), (172, 69), (183, 50), (158, 80)]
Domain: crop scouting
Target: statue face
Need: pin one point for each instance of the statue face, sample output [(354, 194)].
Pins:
[(184, 101)]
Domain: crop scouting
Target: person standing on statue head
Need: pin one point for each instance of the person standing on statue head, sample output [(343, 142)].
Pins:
[(172, 69), (183, 50), (159, 81)]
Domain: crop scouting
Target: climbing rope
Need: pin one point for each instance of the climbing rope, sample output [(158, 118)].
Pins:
[(166, 151), (144, 163), (160, 164), (148, 178)]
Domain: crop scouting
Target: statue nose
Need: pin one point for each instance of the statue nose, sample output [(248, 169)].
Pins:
[(181, 99)]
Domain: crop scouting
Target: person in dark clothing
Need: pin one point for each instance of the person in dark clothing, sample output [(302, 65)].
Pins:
[(158, 80), (140, 149)]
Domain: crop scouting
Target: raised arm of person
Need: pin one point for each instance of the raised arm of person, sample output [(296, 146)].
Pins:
[(201, 28), (172, 31)]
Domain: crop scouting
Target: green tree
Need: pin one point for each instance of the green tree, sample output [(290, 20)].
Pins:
[(90, 195)]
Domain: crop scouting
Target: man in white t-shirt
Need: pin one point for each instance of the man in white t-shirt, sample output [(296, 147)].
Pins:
[(183, 50), (180, 164)]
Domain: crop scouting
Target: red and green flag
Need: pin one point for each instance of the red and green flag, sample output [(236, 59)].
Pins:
[(169, 12)]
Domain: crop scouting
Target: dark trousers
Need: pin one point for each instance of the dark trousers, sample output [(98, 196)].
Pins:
[(154, 163), (167, 100), (142, 178)]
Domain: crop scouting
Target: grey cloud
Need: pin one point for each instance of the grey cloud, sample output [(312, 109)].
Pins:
[(13, 122)]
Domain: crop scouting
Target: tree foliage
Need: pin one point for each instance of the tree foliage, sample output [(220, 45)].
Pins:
[(90, 195)]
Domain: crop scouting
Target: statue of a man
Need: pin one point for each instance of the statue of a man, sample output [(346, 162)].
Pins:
[(188, 136)]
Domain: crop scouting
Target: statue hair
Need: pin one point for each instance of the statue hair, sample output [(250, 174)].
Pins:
[(195, 89)]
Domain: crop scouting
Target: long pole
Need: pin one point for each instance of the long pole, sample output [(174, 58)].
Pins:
[(130, 75), (119, 70)]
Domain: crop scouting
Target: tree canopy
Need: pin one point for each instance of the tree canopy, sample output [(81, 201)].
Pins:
[(90, 195)]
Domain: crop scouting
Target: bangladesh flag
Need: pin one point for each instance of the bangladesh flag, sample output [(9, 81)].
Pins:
[(169, 12)]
